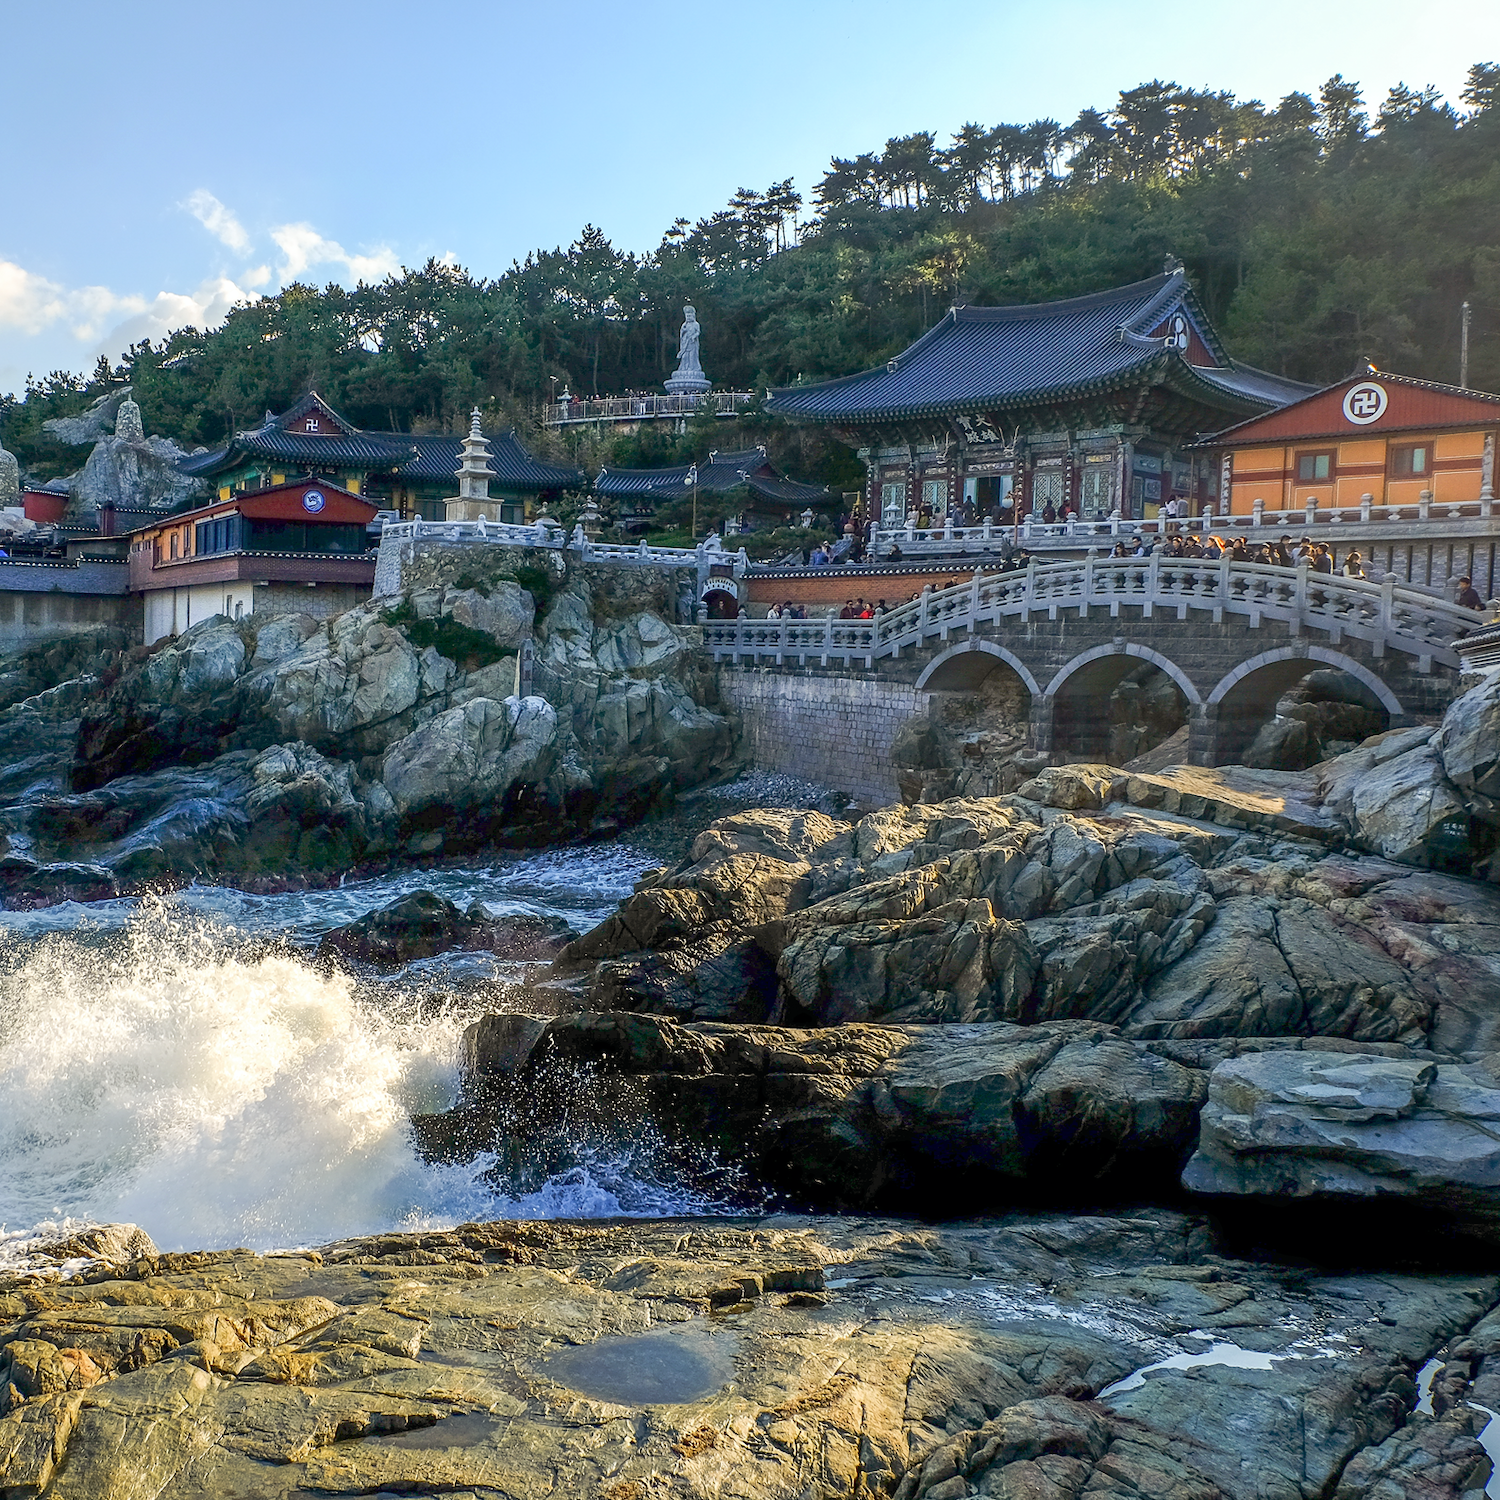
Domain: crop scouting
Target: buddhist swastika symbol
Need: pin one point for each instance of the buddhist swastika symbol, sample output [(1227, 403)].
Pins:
[(1364, 403)]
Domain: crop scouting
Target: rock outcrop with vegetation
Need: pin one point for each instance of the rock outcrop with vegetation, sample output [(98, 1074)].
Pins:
[(284, 745)]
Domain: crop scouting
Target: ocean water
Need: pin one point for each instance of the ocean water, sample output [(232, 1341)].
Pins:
[(179, 1063)]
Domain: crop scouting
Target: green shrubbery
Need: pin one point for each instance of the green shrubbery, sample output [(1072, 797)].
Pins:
[(467, 648)]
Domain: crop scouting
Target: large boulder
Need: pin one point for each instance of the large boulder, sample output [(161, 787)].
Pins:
[(1351, 1125), (471, 756), (1401, 804), (1469, 743)]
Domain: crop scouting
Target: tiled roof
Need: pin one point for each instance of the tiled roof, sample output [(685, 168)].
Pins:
[(438, 458), (719, 474), (356, 449), (990, 358), (430, 458)]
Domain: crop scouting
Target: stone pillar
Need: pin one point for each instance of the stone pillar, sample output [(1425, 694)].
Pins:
[(1203, 734), (1487, 475), (1039, 724)]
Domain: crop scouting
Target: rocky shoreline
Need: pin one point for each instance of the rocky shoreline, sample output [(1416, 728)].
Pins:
[(1115, 1355), (1176, 1092)]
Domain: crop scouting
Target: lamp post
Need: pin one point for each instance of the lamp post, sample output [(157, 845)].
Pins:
[(691, 477)]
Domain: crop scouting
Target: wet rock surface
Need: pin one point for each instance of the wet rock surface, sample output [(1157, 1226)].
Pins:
[(847, 1117), (1127, 1355), (423, 925)]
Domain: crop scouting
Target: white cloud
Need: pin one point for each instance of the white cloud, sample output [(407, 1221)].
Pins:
[(32, 304), (218, 220), (258, 277), (302, 246), (204, 307), (27, 301)]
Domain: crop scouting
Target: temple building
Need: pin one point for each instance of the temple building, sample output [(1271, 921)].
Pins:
[(1090, 404), (411, 473), (745, 484), (296, 548), (1373, 440)]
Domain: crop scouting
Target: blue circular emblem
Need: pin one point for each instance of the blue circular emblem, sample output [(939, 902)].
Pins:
[(314, 501)]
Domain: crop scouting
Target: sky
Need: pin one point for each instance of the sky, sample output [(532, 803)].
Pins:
[(168, 159)]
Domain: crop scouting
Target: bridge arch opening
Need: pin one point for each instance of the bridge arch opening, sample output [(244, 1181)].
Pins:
[(1117, 703), (965, 743), (1287, 709)]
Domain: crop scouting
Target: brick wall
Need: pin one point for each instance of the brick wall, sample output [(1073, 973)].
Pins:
[(830, 729)]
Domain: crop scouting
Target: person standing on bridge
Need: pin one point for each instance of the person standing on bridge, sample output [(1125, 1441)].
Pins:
[(1468, 595), (1353, 566)]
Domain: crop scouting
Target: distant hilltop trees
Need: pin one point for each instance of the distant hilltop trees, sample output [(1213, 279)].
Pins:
[(1316, 231)]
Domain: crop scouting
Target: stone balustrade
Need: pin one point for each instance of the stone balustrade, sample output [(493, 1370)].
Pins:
[(1389, 616)]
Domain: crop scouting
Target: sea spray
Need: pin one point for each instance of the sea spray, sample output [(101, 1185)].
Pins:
[(213, 1097), (175, 1075)]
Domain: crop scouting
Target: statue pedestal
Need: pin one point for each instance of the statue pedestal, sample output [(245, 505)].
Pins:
[(688, 385)]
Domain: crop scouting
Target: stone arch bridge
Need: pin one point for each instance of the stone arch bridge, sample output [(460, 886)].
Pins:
[(1232, 636)]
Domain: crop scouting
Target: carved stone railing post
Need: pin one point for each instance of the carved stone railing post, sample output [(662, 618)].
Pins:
[(1365, 502), (1257, 512), (1424, 505)]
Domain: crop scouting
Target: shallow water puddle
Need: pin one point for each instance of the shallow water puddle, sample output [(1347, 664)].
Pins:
[(461, 1431), (1217, 1353), (646, 1370), (1425, 1376)]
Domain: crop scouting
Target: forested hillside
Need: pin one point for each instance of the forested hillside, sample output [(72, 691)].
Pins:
[(1317, 232)]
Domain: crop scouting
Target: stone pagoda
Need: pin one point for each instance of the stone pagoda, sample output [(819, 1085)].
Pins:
[(474, 475)]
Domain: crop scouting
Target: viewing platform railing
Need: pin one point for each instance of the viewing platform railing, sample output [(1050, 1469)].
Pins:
[(1390, 615), (954, 536), (643, 408)]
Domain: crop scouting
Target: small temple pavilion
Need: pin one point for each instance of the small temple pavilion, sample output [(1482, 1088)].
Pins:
[(744, 483), (1090, 404), (411, 473), (1372, 440)]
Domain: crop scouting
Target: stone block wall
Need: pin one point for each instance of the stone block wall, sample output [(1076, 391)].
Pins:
[(833, 729)]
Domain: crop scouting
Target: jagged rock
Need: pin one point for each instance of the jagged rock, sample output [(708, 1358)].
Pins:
[(10, 479), (1350, 1125), (1283, 968), (1469, 743), (423, 924), (859, 1115), (1283, 744), (505, 611)]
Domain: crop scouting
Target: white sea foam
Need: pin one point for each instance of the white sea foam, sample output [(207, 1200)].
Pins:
[(165, 1077)]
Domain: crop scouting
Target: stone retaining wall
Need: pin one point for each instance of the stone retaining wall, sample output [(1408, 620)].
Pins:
[(832, 729)]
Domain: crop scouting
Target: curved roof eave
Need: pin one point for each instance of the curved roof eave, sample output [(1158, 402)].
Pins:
[(1129, 375)]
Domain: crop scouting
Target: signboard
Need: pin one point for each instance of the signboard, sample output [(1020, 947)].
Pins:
[(1146, 463)]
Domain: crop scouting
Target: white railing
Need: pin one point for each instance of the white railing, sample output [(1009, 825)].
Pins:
[(1390, 615), (504, 534), (951, 536), (481, 530), (626, 408)]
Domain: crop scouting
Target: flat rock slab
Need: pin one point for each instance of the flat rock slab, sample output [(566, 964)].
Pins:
[(711, 1358), (1353, 1124)]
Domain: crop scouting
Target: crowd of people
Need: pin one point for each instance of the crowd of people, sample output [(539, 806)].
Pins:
[(1282, 553)]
